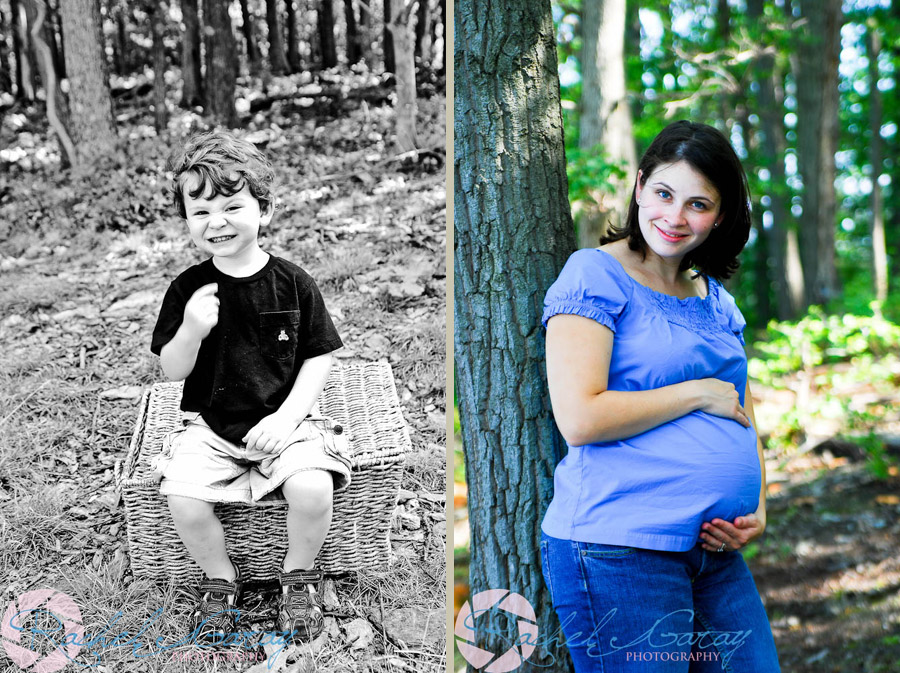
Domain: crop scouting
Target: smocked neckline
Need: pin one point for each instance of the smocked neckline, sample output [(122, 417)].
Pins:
[(662, 296)]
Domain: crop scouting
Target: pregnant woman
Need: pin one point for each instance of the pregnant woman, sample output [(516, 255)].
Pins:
[(664, 480)]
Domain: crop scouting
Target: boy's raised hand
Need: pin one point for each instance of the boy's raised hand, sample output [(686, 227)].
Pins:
[(201, 313)]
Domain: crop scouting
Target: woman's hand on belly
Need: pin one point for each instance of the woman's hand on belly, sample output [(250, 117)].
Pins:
[(735, 535)]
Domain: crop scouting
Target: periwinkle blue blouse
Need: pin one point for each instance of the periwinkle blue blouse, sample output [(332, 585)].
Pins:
[(655, 489)]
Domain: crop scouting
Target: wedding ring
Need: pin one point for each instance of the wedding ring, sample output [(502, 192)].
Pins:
[(722, 548)]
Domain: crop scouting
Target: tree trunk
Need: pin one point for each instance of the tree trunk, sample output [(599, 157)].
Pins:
[(221, 62), (423, 33), (54, 37), (254, 59), (18, 47), (354, 48), (606, 115), (6, 80), (192, 90), (26, 67), (326, 34), (277, 60), (92, 126), (817, 138), (389, 63), (879, 246), (121, 60), (513, 233), (158, 29), (403, 38), (442, 70), (786, 274), (293, 39)]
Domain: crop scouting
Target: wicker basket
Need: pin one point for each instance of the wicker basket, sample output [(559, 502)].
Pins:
[(363, 399)]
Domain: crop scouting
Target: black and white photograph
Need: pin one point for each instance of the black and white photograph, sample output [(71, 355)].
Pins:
[(223, 330)]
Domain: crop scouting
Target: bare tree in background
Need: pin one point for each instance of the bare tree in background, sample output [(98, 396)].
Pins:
[(606, 115), (404, 41), (221, 62), (192, 88), (326, 34), (253, 56), (92, 124), (277, 60)]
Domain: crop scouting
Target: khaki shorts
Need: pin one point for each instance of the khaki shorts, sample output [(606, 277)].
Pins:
[(197, 463)]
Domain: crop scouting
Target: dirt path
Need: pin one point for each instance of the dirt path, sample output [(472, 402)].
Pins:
[(828, 567)]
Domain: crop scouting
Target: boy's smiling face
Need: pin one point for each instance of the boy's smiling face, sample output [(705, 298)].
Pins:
[(226, 227)]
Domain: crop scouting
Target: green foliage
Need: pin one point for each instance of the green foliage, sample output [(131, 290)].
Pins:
[(590, 172), (818, 339)]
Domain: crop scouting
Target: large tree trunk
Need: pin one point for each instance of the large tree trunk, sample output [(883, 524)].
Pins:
[(817, 138), (389, 64), (221, 62), (513, 233), (192, 89), (92, 124), (354, 48), (293, 39), (326, 34), (403, 39), (786, 272), (277, 60), (158, 29), (879, 246), (605, 113), (254, 58)]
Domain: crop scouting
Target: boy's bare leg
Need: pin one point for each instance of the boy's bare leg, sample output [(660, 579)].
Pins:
[(202, 533), (310, 502)]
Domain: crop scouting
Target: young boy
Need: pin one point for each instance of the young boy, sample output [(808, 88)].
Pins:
[(249, 334)]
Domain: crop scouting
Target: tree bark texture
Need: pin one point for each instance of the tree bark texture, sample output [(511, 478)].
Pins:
[(388, 39), (92, 124), (293, 38), (192, 88), (879, 246), (786, 273), (404, 40), (354, 48), (253, 56), (158, 30), (277, 60), (326, 34), (606, 115), (513, 233), (817, 139), (221, 62)]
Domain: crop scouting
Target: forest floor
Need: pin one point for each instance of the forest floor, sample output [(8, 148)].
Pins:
[(828, 567), (85, 260)]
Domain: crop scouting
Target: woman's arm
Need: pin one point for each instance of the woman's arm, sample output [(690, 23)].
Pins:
[(579, 351)]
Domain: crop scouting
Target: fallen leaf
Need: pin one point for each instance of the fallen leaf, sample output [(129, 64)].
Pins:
[(123, 393), (359, 633), (887, 500)]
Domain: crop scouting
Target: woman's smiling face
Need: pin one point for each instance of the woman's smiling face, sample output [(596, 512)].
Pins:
[(677, 209)]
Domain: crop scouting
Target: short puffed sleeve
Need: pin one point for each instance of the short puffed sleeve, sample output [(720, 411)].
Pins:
[(592, 285), (736, 321)]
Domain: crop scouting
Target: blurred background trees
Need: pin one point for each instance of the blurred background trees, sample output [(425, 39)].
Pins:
[(807, 92), (220, 56)]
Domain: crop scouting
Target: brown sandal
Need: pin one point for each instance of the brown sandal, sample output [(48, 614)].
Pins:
[(300, 608)]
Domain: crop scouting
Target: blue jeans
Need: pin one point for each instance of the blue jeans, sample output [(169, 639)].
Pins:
[(637, 610)]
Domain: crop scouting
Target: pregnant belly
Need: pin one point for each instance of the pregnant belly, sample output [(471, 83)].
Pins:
[(671, 479)]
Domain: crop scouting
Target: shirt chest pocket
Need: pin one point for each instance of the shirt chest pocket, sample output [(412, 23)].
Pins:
[(278, 334)]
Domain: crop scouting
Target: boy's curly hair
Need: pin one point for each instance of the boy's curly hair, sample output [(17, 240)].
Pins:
[(224, 164)]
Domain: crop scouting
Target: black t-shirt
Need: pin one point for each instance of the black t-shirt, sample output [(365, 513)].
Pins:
[(269, 324)]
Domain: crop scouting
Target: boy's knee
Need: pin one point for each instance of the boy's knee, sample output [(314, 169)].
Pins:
[(190, 511), (311, 491)]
